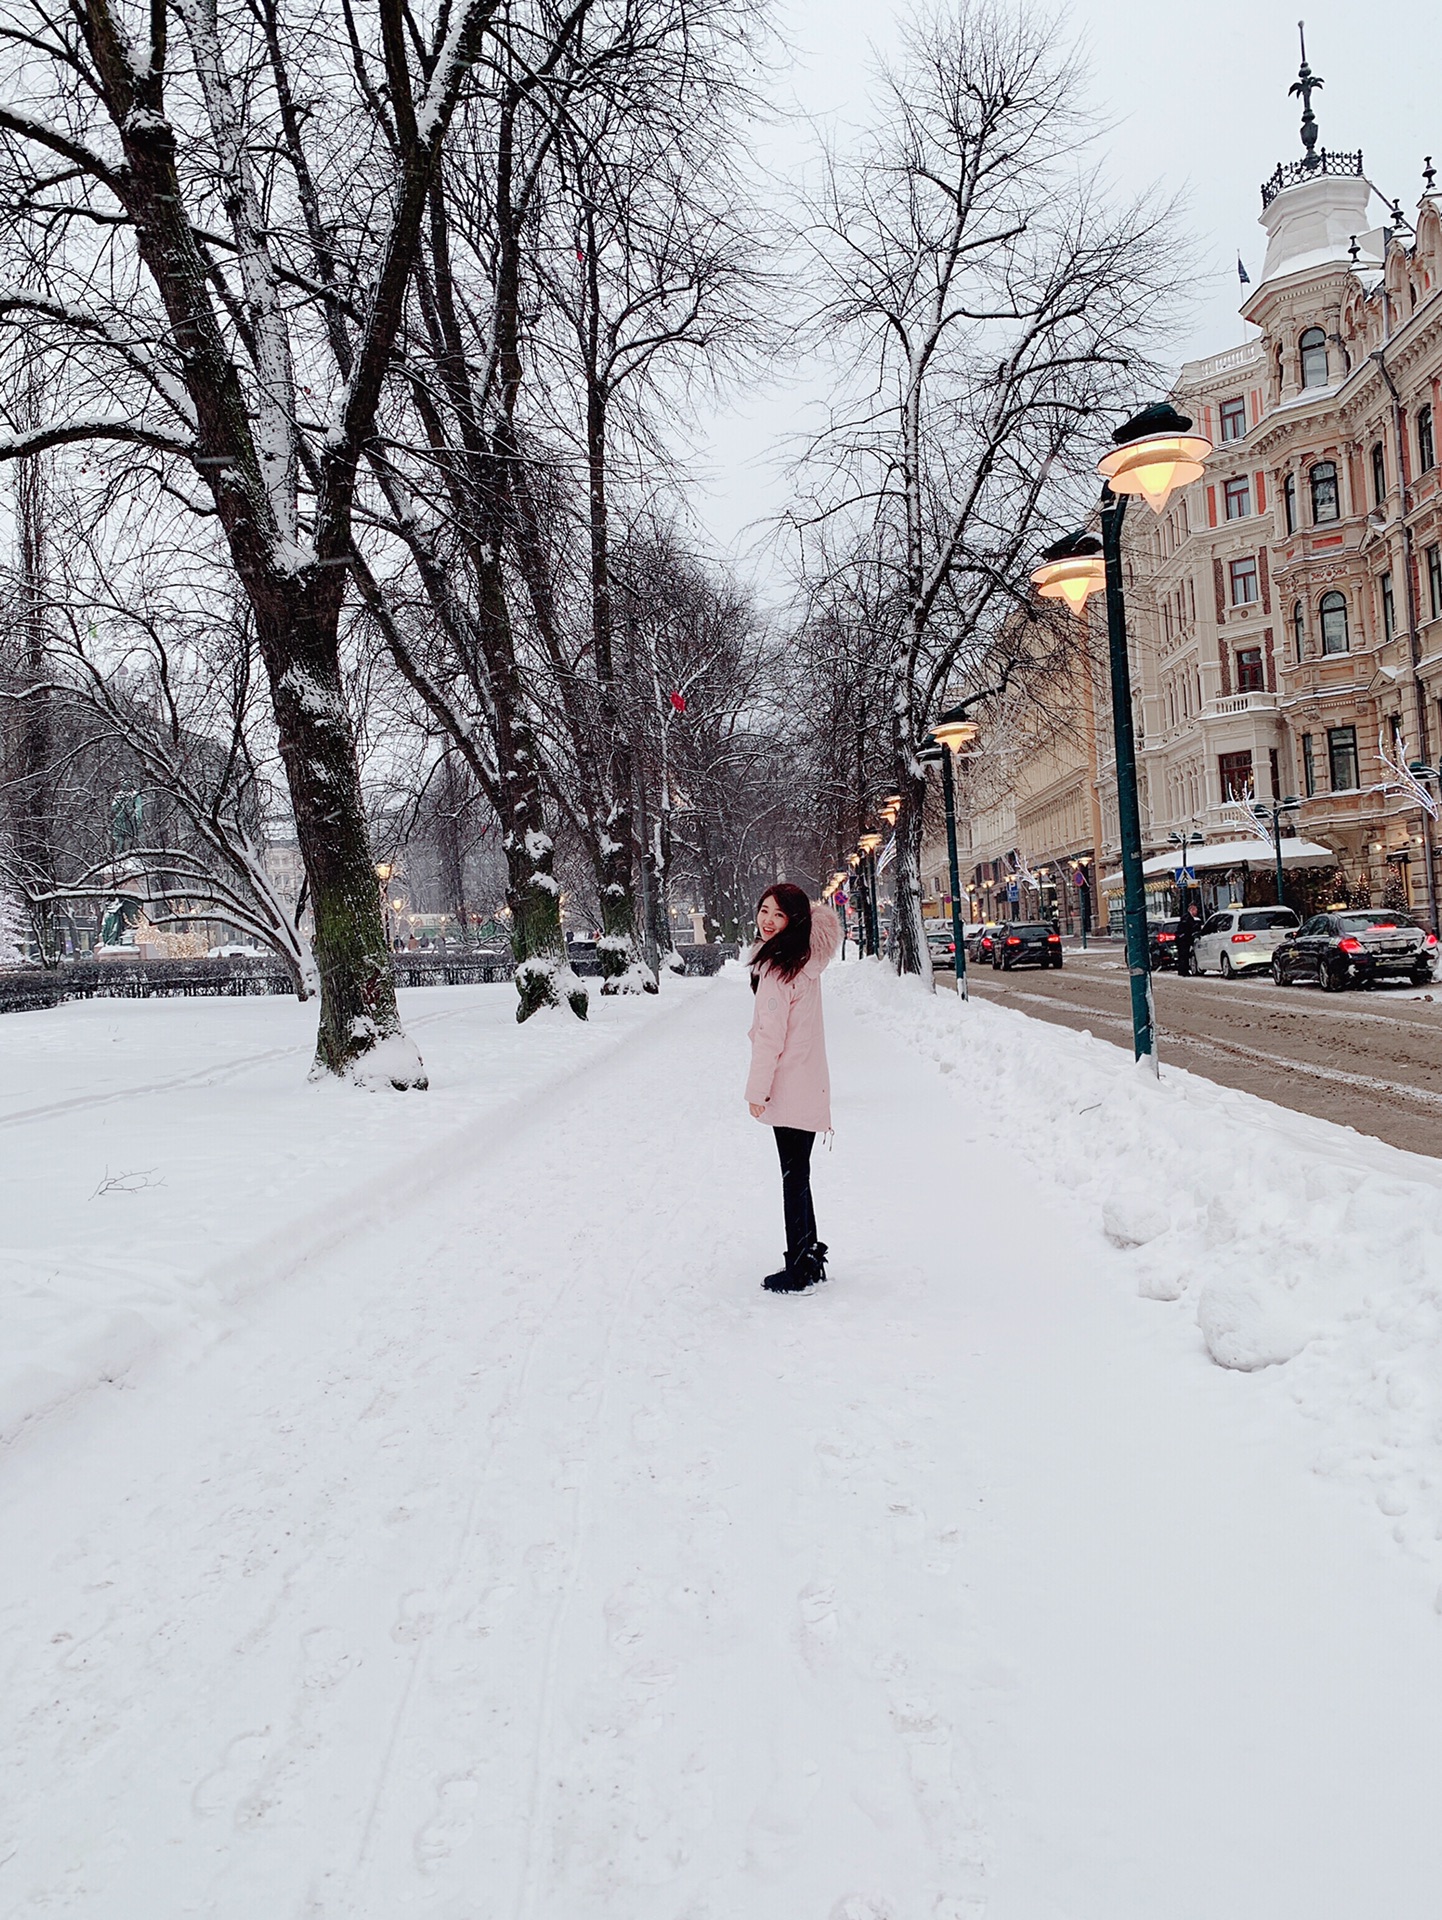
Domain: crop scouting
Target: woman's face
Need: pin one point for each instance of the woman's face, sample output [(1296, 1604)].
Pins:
[(769, 919)]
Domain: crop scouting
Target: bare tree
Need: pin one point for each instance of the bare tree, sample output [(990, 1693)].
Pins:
[(990, 305), (211, 242), (165, 687)]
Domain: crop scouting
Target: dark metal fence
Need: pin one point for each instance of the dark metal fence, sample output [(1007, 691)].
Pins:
[(25, 988)]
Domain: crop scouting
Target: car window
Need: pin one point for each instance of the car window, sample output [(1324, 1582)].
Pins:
[(1216, 924), (1355, 922), (1267, 917)]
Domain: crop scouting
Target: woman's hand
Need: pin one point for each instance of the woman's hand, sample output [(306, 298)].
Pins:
[(757, 1113)]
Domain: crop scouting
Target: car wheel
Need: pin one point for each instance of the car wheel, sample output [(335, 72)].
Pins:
[(1333, 977), (1279, 973), (1056, 964), (1006, 963), (1228, 972), (1421, 976)]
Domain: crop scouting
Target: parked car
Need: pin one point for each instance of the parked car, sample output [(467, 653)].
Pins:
[(980, 940), (943, 948), (1026, 944), (235, 950), (1241, 940), (1340, 950), (1162, 943)]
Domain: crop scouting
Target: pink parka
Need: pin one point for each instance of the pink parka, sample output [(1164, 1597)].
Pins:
[(789, 1075)]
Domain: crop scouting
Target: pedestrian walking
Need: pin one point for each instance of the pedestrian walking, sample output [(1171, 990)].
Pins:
[(1188, 927), (789, 1086)]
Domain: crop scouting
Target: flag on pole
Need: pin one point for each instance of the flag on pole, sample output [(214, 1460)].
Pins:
[(1242, 274)]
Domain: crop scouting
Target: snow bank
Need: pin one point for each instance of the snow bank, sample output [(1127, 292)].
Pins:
[(1293, 1243)]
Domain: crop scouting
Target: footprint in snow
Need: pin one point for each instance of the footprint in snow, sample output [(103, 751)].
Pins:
[(451, 1825), (241, 1763), (417, 1617)]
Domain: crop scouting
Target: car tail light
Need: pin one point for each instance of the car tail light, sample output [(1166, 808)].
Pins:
[(1430, 941), (1238, 938), (1053, 939), (1013, 939), (1162, 938), (1384, 926), (1349, 945)]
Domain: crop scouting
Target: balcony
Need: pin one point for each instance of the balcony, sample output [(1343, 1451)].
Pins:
[(1226, 706)]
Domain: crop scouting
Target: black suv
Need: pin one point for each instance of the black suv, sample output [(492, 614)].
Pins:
[(1026, 944), (1340, 950), (1162, 943)]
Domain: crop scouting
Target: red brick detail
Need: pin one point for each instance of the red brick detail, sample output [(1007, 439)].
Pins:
[(1264, 581), (1261, 493), (1221, 589), (1256, 399), (1224, 654), (1211, 506), (1328, 540), (1269, 660)]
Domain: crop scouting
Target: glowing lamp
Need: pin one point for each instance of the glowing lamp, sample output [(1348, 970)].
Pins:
[(869, 842), (1155, 453), (1072, 570), (955, 732)]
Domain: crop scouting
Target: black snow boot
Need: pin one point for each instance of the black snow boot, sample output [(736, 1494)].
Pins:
[(804, 1268)]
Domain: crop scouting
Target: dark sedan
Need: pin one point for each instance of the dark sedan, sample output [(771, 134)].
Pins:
[(981, 941), (1340, 950), (1025, 944), (1162, 943)]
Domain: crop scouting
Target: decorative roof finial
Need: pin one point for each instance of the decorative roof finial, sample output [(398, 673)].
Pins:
[(1429, 172), (1354, 252), (1306, 85)]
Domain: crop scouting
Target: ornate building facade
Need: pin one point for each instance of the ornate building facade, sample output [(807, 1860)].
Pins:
[(1285, 614)]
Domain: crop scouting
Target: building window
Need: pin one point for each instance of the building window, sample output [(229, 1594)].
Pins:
[(1309, 766), (1299, 629), (1312, 349), (1238, 495), (1289, 502), (1236, 772), (1389, 609), (1379, 474), (1434, 580), (1234, 419), (1342, 758), (1426, 450), (1244, 581), (1325, 502), (1333, 609), (1249, 670)]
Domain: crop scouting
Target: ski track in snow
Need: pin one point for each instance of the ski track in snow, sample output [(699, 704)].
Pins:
[(516, 1558)]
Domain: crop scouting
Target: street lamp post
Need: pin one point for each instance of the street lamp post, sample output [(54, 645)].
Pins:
[(1153, 453), (953, 734), (1261, 811)]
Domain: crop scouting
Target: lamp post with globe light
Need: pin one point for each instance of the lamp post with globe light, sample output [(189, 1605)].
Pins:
[(953, 734), (1153, 454)]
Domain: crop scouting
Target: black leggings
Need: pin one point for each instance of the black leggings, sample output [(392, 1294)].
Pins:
[(794, 1147)]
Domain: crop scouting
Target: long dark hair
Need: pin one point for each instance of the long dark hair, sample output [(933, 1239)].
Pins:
[(789, 950)]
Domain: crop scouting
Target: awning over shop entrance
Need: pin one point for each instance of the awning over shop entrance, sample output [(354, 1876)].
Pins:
[(1232, 853)]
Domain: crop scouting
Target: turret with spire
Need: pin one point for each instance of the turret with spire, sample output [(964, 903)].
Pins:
[(1292, 173)]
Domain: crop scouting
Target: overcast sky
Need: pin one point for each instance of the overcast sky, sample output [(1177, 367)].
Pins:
[(1197, 96)]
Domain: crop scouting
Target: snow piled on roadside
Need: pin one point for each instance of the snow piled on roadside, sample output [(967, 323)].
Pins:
[(1293, 1243)]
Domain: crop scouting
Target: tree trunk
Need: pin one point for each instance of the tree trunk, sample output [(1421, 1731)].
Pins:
[(622, 967), (912, 953), (35, 807), (360, 1030)]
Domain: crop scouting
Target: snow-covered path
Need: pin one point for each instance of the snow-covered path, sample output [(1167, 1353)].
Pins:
[(521, 1560)]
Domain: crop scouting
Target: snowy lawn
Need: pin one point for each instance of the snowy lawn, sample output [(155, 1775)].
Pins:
[(160, 1156), (513, 1557)]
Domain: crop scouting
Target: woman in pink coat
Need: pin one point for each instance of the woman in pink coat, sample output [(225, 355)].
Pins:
[(789, 1086)]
